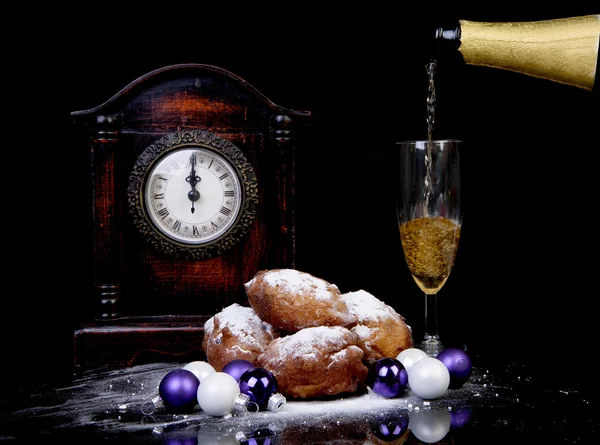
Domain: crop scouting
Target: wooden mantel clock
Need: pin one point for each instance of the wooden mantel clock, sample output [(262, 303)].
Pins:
[(192, 183)]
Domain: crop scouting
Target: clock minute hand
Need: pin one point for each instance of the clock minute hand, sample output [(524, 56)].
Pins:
[(193, 179)]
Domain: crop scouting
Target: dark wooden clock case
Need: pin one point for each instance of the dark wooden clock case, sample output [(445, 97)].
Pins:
[(149, 305)]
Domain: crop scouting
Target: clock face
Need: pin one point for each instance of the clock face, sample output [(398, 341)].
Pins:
[(192, 194)]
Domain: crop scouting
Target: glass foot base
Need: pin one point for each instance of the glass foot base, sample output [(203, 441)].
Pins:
[(431, 347)]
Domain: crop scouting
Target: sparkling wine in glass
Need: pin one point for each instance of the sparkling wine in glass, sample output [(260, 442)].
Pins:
[(429, 217)]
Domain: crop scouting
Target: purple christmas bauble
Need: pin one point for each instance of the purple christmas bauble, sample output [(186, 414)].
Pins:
[(237, 367), (259, 384), (460, 417), (459, 366), (178, 390), (388, 377), (261, 436), (392, 428)]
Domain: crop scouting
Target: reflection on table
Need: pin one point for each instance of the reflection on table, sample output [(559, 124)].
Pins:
[(497, 405)]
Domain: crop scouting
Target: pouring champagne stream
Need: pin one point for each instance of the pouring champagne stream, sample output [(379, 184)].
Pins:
[(429, 214)]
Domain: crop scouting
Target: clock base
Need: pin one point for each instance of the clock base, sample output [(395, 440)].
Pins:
[(131, 341)]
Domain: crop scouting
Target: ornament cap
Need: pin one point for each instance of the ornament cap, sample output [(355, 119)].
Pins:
[(240, 403), (149, 406), (276, 402)]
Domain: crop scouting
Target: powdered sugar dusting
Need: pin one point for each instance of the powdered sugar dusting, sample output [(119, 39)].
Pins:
[(367, 307), (294, 281), (340, 355), (238, 318), (306, 342), (363, 332), (355, 404), (113, 402), (242, 322)]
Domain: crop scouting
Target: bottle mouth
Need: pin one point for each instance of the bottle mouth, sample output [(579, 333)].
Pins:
[(448, 34)]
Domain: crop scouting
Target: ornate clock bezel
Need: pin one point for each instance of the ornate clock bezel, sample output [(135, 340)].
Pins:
[(189, 139)]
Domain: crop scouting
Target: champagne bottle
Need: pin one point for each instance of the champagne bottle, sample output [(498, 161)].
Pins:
[(563, 50)]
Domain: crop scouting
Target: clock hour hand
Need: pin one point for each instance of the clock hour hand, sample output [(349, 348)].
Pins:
[(193, 179)]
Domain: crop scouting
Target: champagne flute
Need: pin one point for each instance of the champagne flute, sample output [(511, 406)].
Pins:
[(429, 218)]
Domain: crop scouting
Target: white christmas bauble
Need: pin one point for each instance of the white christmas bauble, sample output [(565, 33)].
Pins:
[(409, 356), (217, 393), (428, 378), (430, 426), (200, 369)]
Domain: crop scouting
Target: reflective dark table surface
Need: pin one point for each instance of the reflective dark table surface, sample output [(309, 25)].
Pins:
[(504, 401)]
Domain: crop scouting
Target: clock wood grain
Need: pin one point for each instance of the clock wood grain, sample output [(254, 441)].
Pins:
[(148, 304)]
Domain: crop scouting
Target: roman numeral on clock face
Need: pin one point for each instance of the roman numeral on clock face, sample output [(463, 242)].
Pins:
[(177, 211)]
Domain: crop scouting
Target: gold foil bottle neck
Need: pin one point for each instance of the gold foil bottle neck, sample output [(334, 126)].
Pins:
[(563, 50)]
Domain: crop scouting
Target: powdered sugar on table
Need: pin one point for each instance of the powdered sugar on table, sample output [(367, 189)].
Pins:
[(119, 401)]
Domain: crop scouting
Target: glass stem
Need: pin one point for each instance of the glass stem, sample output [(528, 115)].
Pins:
[(431, 320)]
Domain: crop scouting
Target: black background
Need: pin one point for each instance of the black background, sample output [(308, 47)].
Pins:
[(524, 281)]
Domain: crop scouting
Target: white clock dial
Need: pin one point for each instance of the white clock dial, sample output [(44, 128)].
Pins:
[(193, 195)]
